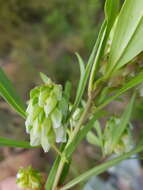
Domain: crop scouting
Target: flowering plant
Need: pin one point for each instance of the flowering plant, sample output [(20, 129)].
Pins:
[(52, 118)]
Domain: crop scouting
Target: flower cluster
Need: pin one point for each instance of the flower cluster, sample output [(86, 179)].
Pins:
[(44, 116), (109, 139), (29, 178), (124, 143)]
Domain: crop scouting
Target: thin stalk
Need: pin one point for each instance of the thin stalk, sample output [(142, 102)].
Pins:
[(77, 128), (82, 119), (58, 174)]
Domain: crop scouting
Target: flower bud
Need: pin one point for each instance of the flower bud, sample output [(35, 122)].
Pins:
[(44, 116), (124, 144), (29, 178), (75, 116)]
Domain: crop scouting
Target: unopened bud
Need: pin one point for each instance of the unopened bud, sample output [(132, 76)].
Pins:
[(29, 178)]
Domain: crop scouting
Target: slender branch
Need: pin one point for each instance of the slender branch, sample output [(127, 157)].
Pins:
[(58, 174), (77, 128), (83, 118)]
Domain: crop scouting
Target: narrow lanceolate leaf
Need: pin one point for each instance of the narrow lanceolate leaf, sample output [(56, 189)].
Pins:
[(111, 11), (132, 83), (80, 88), (124, 121), (101, 168), (8, 92), (86, 72), (127, 41), (14, 143), (81, 64)]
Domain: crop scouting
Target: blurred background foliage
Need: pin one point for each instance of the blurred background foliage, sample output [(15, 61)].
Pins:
[(43, 36)]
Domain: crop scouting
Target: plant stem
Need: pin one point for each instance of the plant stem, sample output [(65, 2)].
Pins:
[(58, 174), (83, 118), (58, 152), (77, 128)]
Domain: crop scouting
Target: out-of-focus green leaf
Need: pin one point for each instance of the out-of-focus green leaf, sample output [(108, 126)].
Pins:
[(111, 11), (82, 133), (84, 78), (127, 41), (14, 143), (132, 83), (81, 64), (8, 92), (124, 121), (92, 138)]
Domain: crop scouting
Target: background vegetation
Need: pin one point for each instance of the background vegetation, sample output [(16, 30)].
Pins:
[(43, 36)]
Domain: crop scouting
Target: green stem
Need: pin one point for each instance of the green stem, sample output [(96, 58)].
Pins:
[(101, 168), (83, 118), (58, 174), (77, 128)]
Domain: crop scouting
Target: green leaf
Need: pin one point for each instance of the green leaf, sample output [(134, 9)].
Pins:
[(98, 129), (65, 172), (127, 41), (124, 121), (14, 143), (130, 84), (101, 168), (111, 11), (86, 73), (96, 139), (8, 92), (92, 138), (52, 174), (53, 171), (67, 90), (64, 103), (81, 64), (82, 134), (44, 78)]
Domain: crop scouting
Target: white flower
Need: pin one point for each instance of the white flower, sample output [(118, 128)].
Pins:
[(44, 116)]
